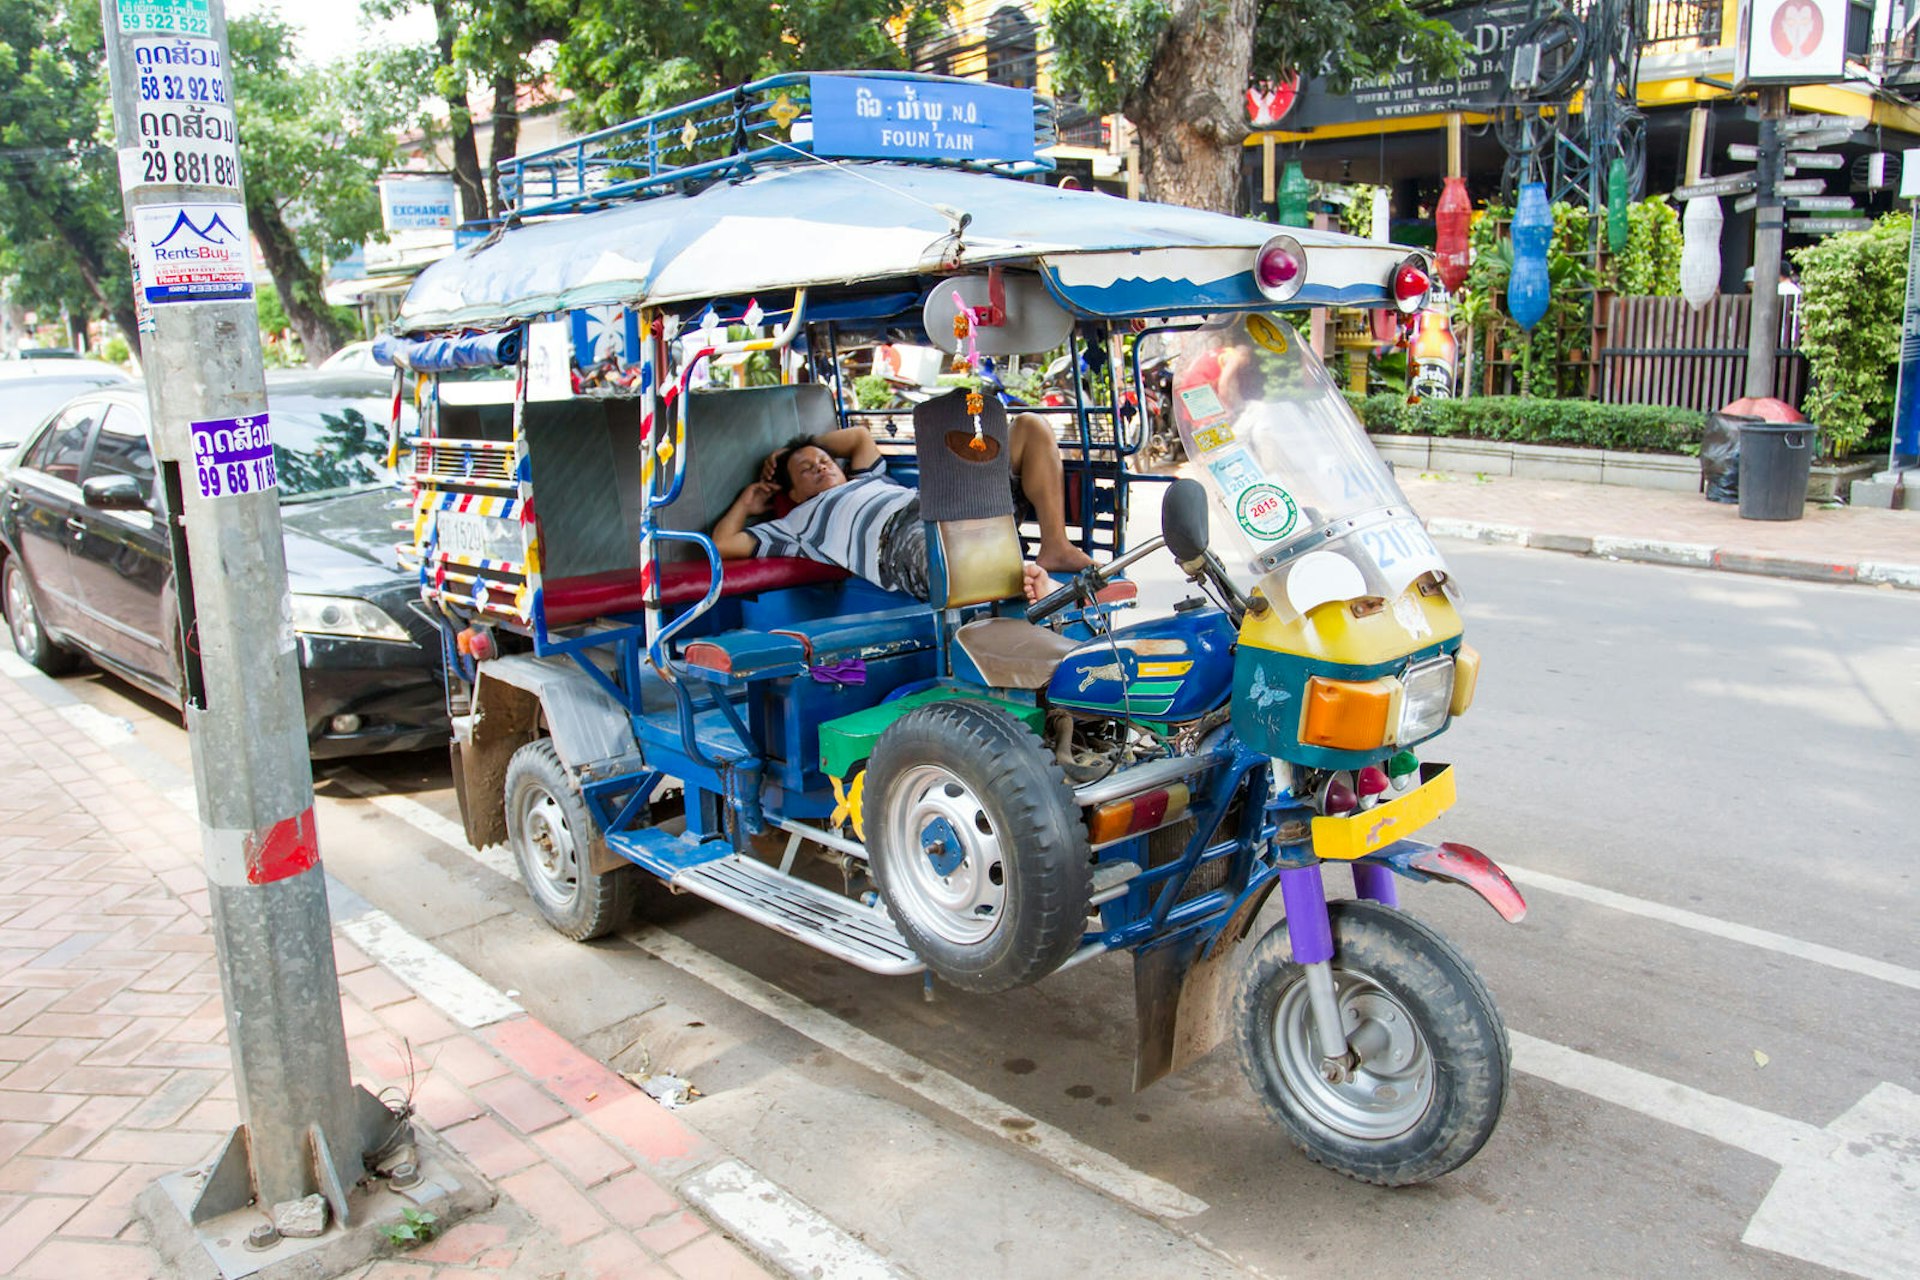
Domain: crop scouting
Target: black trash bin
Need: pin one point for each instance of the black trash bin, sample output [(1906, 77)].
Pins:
[(1775, 460), (1720, 456)]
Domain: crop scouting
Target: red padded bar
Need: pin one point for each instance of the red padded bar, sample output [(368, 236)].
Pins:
[(580, 599)]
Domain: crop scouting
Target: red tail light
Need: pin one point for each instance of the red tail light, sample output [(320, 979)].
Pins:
[(1280, 268), (1411, 280)]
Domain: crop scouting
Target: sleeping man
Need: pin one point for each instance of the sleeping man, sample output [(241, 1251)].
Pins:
[(866, 522)]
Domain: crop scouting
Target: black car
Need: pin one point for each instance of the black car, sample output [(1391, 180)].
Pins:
[(86, 570), (26, 402)]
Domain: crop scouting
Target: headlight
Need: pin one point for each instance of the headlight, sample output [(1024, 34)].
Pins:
[(1426, 694), (345, 616)]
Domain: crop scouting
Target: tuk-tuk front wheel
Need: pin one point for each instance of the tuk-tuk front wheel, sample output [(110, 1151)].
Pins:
[(976, 845), (1421, 1088), (554, 839)]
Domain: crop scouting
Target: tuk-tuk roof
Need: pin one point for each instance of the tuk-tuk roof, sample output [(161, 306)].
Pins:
[(810, 224)]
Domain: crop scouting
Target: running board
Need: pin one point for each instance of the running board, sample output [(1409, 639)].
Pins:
[(863, 936)]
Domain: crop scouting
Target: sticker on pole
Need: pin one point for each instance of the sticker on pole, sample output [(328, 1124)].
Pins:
[(193, 252), (184, 117), (174, 17), (233, 456)]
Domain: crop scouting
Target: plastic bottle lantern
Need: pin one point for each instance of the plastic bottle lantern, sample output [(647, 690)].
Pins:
[(1700, 251), (1617, 226), (1294, 191), (1529, 288), (1452, 218), (1382, 215)]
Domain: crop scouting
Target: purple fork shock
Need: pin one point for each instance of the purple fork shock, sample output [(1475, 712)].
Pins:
[(1375, 883), (1308, 929)]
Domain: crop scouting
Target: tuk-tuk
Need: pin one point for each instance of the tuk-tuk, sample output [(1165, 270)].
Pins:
[(972, 786)]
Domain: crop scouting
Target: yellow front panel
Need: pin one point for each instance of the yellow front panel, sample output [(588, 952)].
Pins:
[(1332, 633), (1358, 834)]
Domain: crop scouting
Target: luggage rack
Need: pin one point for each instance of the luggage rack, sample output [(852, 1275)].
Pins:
[(722, 135)]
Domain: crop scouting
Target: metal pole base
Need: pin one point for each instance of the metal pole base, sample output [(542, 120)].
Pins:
[(204, 1233), (229, 1183)]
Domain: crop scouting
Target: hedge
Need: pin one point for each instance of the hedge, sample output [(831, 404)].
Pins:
[(1630, 428)]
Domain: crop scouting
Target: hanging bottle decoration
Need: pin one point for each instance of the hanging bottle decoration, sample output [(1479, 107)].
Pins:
[(1386, 320), (1452, 220), (1529, 288), (1617, 189), (1294, 193), (1700, 251), (1382, 215)]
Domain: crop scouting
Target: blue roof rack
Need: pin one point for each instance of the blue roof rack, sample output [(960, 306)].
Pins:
[(721, 135)]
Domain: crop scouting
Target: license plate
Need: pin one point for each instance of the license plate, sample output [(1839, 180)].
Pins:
[(479, 537)]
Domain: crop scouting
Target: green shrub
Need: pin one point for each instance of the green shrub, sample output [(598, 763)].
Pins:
[(871, 391), (1851, 297), (1650, 264), (1631, 428), (115, 350)]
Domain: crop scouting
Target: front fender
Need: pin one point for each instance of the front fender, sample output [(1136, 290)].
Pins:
[(1456, 864)]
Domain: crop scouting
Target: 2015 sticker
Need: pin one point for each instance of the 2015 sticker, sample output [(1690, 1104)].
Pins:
[(1266, 511)]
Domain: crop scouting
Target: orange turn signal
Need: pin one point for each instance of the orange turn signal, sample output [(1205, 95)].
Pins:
[(1349, 715), (1466, 676), (1120, 818)]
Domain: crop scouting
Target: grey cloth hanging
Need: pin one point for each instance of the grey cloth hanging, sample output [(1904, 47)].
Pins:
[(957, 481)]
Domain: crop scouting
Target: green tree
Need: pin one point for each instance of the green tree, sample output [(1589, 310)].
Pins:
[(490, 45), (60, 213), (624, 58), (312, 148), (1852, 294), (1178, 70)]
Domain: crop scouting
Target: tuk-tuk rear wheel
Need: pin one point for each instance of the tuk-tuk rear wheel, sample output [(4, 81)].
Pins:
[(976, 845), (1424, 1088), (553, 839)]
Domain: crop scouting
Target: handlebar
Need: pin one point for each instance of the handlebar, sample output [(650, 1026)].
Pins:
[(1087, 583)]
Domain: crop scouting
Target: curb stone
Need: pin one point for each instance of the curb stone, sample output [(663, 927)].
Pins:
[(1690, 555)]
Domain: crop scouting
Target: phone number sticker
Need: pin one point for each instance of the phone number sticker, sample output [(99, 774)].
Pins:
[(179, 17), (233, 456)]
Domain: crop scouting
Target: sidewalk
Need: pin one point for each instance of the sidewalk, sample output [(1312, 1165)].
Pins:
[(114, 1067), (1843, 544)]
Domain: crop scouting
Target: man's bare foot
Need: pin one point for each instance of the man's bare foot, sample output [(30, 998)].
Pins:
[(1063, 557)]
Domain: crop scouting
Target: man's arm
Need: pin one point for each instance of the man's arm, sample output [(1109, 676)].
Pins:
[(730, 534)]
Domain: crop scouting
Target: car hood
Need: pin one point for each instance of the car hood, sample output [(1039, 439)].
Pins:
[(336, 544)]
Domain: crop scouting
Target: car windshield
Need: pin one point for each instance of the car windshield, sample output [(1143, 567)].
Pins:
[(328, 445)]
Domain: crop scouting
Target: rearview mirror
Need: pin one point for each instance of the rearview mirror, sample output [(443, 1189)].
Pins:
[(1183, 520), (113, 493)]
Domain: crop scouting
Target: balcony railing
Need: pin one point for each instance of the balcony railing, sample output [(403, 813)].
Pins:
[(1671, 26)]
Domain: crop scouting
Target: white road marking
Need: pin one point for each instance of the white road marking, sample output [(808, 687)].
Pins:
[(795, 1237), (1833, 957), (494, 857), (1848, 1196), (442, 981), (1094, 1167)]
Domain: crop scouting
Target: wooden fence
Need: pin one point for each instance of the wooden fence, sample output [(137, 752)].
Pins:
[(1661, 351)]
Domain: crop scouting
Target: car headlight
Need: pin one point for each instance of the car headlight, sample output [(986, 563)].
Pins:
[(1425, 697), (345, 616)]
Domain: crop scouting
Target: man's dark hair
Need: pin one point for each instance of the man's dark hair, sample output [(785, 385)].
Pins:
[(782, 476)]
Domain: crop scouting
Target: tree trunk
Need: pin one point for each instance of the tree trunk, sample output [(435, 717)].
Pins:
[(302, 296), (506, 135), (468, 182), (1191, 113)]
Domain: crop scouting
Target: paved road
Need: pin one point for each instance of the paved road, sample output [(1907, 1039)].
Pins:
[(1707, 784)]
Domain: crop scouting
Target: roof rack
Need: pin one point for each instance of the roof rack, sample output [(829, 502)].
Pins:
[(724, 134)]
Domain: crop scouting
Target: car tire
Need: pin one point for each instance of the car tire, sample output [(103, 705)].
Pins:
[(977, 846), (555, 841), (30, 639)]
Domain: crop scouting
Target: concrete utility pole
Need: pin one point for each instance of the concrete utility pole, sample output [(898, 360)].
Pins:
[(304, 1127), (1769, 234)]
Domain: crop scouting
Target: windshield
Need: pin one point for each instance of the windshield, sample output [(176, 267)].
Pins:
[(327, 445), (1288, 467)]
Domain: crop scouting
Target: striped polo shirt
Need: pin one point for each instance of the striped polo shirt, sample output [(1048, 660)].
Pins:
[(840, 526)]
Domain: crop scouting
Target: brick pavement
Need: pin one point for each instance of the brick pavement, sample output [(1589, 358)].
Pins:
[(1822, 544), (114, 1067)]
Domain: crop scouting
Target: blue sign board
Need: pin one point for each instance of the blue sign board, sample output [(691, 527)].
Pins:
[(874, 118)]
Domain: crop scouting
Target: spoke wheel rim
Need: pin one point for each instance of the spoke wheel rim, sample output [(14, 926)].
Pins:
[(966, 904), (1388, 1091), (552, 854), (22, 622)]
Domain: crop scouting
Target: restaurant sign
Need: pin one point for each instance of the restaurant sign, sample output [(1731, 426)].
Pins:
[(1489, 31)]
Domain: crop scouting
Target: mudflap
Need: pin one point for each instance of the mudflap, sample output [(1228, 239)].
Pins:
[(1458, 864), (1180, 993)]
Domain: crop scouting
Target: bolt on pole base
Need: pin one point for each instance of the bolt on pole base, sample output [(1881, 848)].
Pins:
[(203, 1233)]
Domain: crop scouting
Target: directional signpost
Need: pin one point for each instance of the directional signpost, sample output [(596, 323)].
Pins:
[(1828, 226), (1815, 160), (1820, 203), (1731, 185)]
